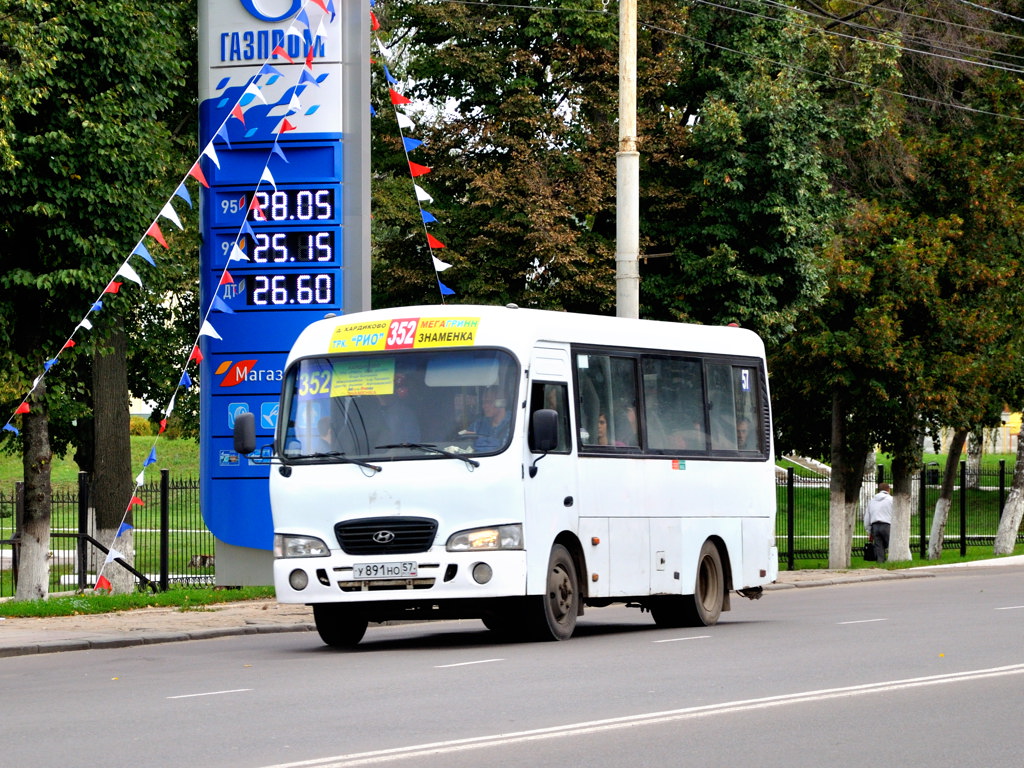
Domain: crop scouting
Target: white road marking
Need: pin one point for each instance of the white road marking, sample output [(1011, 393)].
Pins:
[(680, 639), (1010, 608), (419, 751), (860, 621), (467, 663), (209, 693)]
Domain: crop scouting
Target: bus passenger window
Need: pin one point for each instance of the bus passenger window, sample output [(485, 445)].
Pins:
[(674, 404), (721, 409), (607, 400)]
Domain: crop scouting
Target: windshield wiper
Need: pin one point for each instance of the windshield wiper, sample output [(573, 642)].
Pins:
[(430, 447), (345, 459)]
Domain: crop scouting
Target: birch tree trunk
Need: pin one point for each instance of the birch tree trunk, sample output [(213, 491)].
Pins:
[(902, 506), (1009, 523), (844, 490), (956, 447), (975, 450), (34, 554)]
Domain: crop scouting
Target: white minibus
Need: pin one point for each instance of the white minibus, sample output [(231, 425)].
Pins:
[(517, 466)]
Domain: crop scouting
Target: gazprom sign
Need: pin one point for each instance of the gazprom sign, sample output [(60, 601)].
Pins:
[(307, 130), (254, 39)]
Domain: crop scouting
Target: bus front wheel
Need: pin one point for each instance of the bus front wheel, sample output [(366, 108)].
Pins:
[(338, 625), (555, 617)]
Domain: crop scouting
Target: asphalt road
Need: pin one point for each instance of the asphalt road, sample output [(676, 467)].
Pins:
[(907, 672)]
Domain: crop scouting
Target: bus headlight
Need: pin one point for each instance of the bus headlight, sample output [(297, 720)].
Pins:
[(495, 537), (286, 545)]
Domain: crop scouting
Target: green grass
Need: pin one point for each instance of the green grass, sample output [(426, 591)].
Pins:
[(949, 556), (181, 457), (76, 605), (989, 461)]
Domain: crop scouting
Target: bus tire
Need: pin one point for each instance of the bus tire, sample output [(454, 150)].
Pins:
[(338, 625), (701, 609), (555, 616), (705, 605), (507, 626)]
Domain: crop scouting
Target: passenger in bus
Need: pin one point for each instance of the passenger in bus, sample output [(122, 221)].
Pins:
[(744, 439), (627, 426), (678, 440), (397, 422), (324, 442), (491, 428)]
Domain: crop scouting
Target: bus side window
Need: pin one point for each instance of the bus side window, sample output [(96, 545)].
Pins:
[(556, 398), (607, 401), (674, 404), (747, 396), (721, 408)]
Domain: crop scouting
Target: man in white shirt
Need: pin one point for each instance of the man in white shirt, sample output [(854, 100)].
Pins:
[(878, 520)]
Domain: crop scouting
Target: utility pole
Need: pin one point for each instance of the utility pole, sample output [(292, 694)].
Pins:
[(627, 173)]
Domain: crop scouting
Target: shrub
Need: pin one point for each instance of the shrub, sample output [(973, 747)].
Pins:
[(140, 426)]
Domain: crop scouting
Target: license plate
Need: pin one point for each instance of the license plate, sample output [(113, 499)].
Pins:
[(406, 570)]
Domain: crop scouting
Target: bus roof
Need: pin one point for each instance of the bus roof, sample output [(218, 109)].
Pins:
[(468, 325)]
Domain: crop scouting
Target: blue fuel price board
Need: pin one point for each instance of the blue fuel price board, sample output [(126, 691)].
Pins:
[(275, 220)]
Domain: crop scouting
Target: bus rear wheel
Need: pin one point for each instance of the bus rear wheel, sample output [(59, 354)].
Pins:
[(554, 614), (704, 607), (339, 626)]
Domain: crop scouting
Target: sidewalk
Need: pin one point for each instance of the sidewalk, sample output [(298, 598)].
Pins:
[(21, 636)]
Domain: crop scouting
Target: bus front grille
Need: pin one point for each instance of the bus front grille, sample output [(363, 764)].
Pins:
[(386, 535)]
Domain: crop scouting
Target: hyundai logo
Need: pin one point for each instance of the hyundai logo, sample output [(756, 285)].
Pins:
[(384, 537)]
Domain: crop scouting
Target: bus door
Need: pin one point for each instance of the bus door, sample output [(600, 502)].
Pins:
[(551, 494)]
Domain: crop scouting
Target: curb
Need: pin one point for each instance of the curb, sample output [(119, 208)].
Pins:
[(858, 578), (152, 638), (126, 639)]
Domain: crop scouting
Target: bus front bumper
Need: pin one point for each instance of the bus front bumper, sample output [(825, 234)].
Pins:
[(433, 575)]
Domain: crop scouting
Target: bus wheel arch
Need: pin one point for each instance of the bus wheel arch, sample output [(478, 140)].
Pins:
[(723, 554), (572, 544), (712, 584)]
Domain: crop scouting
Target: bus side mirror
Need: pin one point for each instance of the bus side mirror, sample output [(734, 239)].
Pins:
[(245, 433), (544, 430)]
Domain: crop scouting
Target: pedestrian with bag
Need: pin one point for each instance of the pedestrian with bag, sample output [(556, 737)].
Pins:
[(878, 520)]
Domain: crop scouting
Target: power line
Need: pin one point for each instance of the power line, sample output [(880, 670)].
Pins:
[(992, 10), (918, 38), (894, 46), (847, 81), (901, 13)]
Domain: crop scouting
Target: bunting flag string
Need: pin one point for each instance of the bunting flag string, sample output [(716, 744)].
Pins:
[(416, 170), (128, 273), (237, 253)]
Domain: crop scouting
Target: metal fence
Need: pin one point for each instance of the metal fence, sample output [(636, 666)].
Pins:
[(973, 518), (171, 543)]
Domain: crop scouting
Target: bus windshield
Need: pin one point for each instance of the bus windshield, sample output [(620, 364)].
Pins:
[(402, 405)]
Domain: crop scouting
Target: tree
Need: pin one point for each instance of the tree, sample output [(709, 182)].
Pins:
[(913, 336), (515, 144), (523, 153), (738, 186), (1013, 510), (87, 154)]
